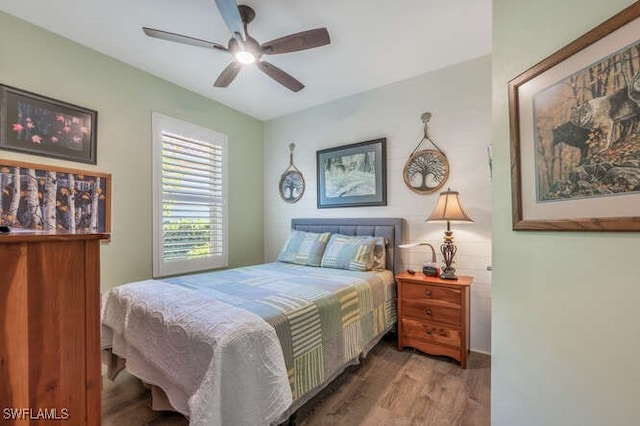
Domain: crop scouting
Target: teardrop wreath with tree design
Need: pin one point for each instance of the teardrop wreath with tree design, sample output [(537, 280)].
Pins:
[(291, 181), (426, 170)]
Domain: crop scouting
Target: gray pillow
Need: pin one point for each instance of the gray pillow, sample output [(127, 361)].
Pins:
[(304, 248)]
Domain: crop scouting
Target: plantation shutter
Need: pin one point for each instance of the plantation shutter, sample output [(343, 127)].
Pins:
[(192, 222)]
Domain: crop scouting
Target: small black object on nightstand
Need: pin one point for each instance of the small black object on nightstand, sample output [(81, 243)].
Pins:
[(411, 271), (4, 229)]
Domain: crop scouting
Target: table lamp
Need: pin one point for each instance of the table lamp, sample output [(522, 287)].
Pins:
[(448, 209)]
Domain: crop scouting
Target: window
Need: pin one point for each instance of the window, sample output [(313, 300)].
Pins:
[(190, 197)]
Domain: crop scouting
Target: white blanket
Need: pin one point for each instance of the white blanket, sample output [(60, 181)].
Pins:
[(218, 364)]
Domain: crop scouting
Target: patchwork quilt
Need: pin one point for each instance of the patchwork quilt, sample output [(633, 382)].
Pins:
[(324, 318)]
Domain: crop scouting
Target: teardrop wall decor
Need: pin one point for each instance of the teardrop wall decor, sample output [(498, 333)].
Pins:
[(291, 182)]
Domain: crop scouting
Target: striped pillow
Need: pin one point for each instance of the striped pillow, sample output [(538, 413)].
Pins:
[(345, 252), (304, 248)]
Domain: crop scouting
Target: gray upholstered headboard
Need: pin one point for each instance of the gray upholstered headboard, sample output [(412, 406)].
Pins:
[(392, 228)]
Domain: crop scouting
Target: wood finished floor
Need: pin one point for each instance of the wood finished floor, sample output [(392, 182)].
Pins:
[(387, 388)]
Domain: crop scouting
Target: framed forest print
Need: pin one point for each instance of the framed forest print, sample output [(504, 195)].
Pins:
[(353, 175), (38, 125), (575, 133), (38, 197)]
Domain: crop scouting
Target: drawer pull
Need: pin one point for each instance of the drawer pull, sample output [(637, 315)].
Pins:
[(429, 331), (428, 312), (428, 293)]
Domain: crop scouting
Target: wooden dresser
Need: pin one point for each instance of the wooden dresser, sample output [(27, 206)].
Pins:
[(433, 315), (50, 328)]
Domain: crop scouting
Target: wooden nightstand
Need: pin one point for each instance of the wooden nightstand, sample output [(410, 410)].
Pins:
[(433, 315)]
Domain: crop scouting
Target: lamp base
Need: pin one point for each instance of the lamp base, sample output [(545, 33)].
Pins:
[(448, 250), (448, 274)]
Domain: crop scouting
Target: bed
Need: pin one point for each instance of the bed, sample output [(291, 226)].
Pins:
[(251, 345)]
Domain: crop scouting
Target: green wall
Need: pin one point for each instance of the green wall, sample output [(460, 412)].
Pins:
[(39, 61), (566, 306)]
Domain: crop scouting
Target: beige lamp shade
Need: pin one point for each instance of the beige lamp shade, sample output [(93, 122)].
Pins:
[(448, 208)]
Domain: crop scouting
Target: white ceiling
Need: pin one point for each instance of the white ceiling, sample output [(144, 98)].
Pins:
[(373, 43)]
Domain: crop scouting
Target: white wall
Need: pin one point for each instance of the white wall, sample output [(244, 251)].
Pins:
[(459, 97), (566, 314)]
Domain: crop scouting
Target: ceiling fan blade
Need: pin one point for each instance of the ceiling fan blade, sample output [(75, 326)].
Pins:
[(231, 15), (227, 75), (298, 41), (280, 76), (179, 38)]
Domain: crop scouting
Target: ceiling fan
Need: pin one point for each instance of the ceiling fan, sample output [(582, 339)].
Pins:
[(245, 49)]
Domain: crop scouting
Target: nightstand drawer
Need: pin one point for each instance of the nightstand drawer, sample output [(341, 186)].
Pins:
[(425, 292), (429, 332), (424, 311)]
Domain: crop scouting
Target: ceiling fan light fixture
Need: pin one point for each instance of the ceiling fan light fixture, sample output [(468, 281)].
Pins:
[(245, 49), (245, 57)]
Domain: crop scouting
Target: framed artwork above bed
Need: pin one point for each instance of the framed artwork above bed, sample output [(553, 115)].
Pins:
[(353, 175)]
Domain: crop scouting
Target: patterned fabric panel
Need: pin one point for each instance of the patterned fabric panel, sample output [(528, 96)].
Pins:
[(324, 317), (304, 248), (346, 252)]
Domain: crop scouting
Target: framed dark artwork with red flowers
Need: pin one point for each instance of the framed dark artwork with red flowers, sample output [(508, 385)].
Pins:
[(38, 125)]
